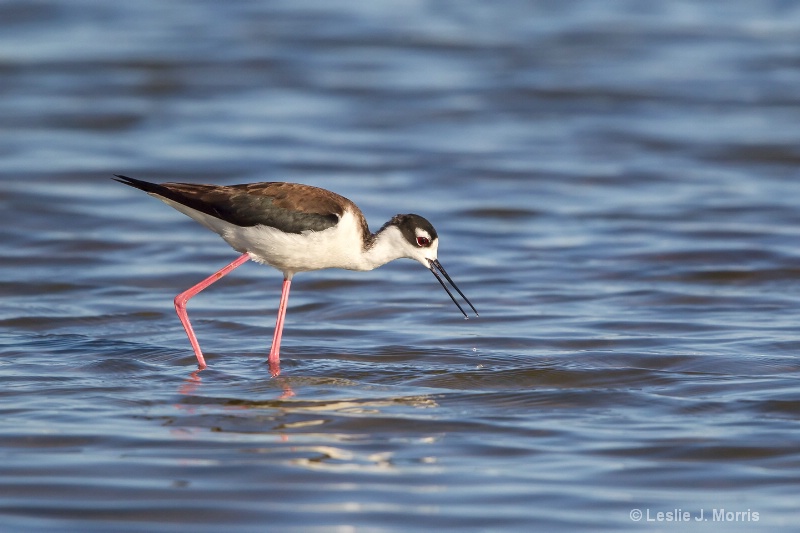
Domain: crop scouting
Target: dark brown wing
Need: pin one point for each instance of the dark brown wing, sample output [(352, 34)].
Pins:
[(289, 207)]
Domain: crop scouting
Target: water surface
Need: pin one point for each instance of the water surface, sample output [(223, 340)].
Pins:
[(615, 188)]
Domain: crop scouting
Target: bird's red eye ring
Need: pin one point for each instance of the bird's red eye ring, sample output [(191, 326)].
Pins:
[(423, 241)]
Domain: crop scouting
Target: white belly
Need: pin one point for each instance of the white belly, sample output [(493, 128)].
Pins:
[(336, 247)]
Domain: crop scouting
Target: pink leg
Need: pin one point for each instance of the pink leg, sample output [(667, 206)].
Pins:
[(183, 298), (274, 353)]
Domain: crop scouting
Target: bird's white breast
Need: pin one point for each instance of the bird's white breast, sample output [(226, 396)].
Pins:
[(337, 247)]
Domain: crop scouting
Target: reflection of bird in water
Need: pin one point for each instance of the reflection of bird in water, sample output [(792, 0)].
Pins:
[(191, 385)]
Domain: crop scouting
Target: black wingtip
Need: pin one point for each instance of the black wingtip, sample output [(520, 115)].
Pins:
[(126, 180), (145, 186)]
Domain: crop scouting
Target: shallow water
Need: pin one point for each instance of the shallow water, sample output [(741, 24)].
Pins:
[(615, 188)]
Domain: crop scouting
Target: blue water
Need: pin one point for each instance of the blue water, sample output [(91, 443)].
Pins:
[(615, 188)]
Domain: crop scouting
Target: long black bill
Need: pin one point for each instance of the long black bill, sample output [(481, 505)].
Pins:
[(436, 265)]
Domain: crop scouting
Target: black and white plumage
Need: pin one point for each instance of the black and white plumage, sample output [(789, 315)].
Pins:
[(295, 228)]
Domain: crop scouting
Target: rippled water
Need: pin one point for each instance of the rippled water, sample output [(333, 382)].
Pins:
[(615, 187)]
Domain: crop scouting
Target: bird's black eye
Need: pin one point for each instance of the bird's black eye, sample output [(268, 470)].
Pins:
[(423, 241)]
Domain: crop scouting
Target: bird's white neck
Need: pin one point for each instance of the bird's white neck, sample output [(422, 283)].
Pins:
[(386, 245)]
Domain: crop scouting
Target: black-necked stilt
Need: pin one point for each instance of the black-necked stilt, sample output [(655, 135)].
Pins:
[(294, 228)]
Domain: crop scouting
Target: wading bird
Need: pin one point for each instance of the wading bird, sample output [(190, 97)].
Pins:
[(294, 228)]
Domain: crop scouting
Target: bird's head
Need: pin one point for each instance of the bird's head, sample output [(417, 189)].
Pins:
[(416, 238)]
